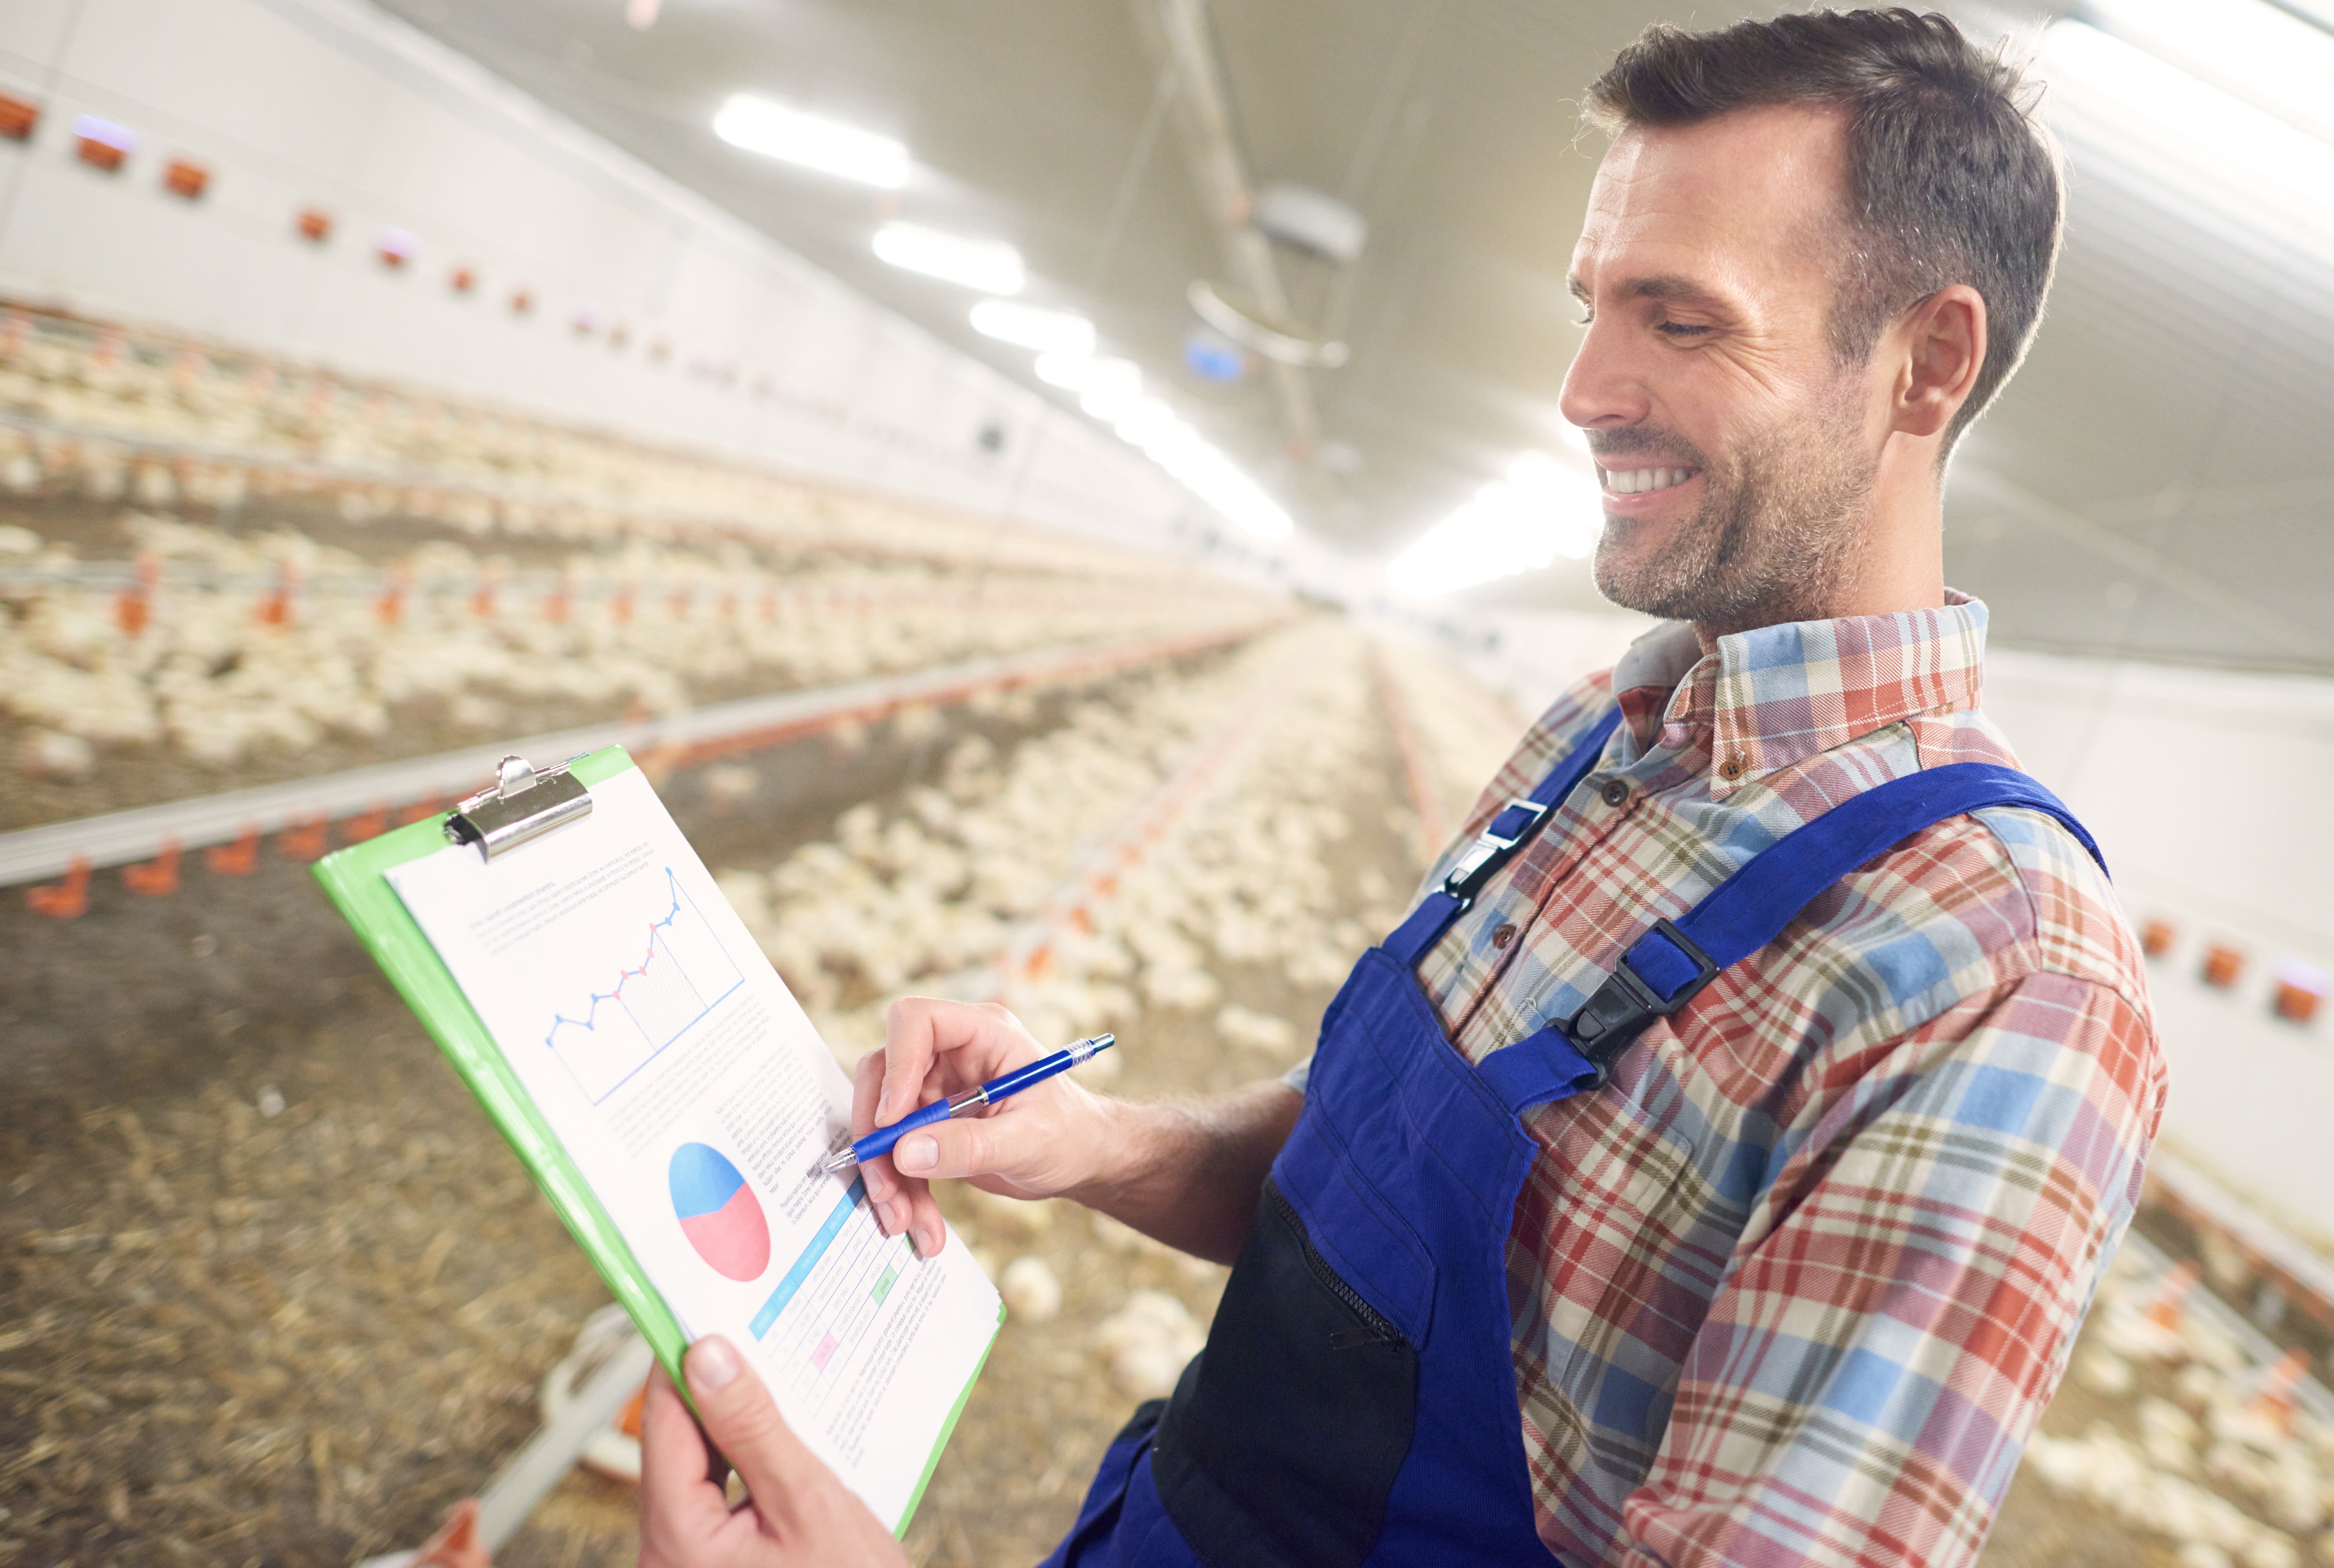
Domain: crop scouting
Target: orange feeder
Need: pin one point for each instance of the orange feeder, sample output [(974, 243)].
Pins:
[(2276, 1396), (2301, 988), (390, 608), (239, 859), (2224, 965), (276, 609), (2169, 1303), (158, 877), (306, 842), (135, 608), (62, 900)]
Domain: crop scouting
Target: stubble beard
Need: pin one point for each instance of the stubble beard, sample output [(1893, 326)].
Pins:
[(1774, 539)]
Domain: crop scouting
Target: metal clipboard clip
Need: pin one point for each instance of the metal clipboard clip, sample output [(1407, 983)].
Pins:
[(523, 805)]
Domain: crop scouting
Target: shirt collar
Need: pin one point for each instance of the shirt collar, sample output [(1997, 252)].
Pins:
[(1766, 699)]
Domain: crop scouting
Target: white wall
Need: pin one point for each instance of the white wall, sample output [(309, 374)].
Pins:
[(331, 103), (2206, 790)]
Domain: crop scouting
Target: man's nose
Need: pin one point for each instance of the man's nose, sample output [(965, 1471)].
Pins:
[(1602, 390)]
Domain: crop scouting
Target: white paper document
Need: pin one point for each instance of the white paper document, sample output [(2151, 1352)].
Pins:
[(696, 1101)]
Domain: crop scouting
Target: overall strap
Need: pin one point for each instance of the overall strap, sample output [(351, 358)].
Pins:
[(1668, 966), (1496, 845)]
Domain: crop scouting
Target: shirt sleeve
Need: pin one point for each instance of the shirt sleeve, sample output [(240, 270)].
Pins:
[(1901, 1305)]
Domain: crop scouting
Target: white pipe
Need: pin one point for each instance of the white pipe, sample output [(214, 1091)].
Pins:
[(120, 838)]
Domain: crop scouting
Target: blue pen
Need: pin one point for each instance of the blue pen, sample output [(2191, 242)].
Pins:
[(879, 1143)]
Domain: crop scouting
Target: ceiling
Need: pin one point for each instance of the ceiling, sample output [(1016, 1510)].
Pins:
[(2156, 482)]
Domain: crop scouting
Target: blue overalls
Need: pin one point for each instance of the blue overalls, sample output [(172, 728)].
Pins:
[(1356, 1400)]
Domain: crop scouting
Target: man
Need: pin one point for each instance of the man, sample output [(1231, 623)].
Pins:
[(1684, 1254)]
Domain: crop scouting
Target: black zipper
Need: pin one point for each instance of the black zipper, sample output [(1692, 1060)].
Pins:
[(1380, 1332)]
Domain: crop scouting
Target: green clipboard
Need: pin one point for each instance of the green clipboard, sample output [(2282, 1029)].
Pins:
[(356, 879)]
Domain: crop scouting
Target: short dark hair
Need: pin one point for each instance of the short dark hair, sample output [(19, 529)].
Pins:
[(1950, 180)]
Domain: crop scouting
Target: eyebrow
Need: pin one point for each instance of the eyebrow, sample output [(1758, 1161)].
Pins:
[(1659, 286)]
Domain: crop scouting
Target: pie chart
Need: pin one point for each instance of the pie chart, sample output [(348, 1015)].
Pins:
[(718, 1212)]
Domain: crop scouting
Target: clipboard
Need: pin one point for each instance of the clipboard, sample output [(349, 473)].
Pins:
[(886, 1397), (524, 805)]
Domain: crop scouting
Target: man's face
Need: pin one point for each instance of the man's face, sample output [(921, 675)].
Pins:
[(1737, 455)]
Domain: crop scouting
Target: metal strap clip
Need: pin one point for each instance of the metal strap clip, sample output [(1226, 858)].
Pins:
[(1516, 821), (523, 803)]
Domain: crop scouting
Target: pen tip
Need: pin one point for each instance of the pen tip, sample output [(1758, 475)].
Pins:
[(842, 1161)]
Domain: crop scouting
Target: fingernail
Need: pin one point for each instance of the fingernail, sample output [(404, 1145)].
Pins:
[(916, 1153), (712, 1366), (884, 1216), (927, 1244)]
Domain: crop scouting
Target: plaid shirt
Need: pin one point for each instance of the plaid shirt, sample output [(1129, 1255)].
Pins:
[(1795, 1288)]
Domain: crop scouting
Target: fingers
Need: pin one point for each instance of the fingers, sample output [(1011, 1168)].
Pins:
[(979, 1040), (678, 1499), (933, 1047), (884, 1192), (866, 1084), (922, 1218), (894, 1200), (744, 1423)]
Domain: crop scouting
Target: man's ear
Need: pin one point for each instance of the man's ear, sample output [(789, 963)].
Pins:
[(1942, 343)]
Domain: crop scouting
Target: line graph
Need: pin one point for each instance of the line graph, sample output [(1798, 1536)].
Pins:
[(682, 973)]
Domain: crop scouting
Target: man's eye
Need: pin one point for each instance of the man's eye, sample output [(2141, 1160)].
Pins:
[(1679, 330), (1587, 318)]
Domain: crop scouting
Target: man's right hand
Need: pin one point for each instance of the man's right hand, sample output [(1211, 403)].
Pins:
[(1048, 1140), (1186, 1174)]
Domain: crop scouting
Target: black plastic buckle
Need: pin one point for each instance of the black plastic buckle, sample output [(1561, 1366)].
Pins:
[(1624, 1005), (1490, 852)]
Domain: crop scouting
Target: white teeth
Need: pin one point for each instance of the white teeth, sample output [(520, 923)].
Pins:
[(1636, 481)]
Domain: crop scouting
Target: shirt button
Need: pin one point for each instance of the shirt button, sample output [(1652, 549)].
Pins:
[(1733, 768), (1503, 936), (1616, 792)]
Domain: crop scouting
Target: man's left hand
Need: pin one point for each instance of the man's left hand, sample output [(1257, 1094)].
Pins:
[(798, 1515)]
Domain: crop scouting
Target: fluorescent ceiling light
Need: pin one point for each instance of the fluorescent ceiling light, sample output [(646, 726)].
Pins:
[(1111, 397), (989, 265), (2184, 140), (2273, 59), (789, 135), (1204, 471), (1523, 525), (1147, 423), (1082, 373), (1047, 331), (1111, 390)]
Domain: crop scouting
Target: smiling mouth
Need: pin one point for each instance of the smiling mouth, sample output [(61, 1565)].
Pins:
[(1642, 481)]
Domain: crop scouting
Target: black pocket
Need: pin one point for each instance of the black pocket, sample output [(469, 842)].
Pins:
[(1283, 1438)]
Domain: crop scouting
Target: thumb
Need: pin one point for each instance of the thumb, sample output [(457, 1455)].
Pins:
[(1013, 1148), (743, 1421)]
